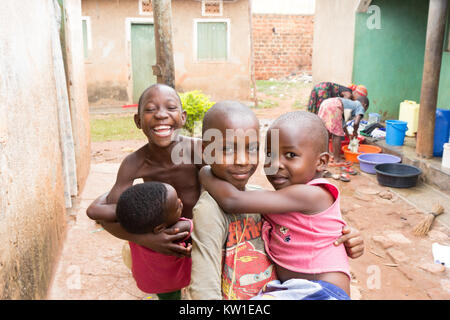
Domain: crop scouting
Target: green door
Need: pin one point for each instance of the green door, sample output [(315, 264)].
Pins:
[(143, 57)]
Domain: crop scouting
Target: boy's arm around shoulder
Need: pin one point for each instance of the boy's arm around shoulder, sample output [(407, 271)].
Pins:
[(103, 209), (303, 198), (100, 210)]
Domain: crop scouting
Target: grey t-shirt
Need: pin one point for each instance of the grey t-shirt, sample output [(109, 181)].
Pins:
[(228, 256), (354, 106), (351, 109)]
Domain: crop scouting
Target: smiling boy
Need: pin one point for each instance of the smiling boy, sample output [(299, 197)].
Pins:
[(159, 116), (228, 258)]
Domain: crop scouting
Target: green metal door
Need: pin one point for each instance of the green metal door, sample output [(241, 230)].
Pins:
[(212, 41), (143, 57)]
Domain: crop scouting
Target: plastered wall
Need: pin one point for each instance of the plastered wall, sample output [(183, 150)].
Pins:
[(32, 213), (108, 66)]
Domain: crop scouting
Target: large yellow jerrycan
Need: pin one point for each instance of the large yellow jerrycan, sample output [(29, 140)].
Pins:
[(409, 112)]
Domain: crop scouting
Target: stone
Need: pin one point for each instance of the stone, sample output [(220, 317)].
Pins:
[(397, 238), (397, 255), (382, 241), (433, 267), (367, 190), (386, 195)]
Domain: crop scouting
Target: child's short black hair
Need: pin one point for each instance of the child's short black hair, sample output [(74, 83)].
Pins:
[(227, 109), (142, 207), (364, 101), (153, 86), (309, 122)]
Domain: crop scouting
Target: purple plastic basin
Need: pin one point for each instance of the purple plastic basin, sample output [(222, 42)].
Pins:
[(367, 161)]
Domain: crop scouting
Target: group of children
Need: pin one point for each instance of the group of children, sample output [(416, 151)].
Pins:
[(290, 243)]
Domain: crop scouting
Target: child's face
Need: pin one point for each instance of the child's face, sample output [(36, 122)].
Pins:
[(239, 158), (295, 161), (160, 115), (174, 206)]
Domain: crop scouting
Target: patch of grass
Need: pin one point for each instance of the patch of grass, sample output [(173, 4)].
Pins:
[(280, 89), (115, 128), (298, 104), (266, 104)]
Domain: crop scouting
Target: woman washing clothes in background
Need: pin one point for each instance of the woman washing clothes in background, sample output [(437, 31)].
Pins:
[(338, 94), (325, 90), (333, 113)]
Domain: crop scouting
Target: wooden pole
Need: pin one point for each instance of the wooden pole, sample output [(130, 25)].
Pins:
[(252, 56), (164, 69), (430, 79)]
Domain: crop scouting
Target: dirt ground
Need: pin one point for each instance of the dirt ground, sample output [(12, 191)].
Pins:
[(396, 263)]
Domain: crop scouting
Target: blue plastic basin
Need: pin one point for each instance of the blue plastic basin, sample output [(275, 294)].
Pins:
[(368, 161)]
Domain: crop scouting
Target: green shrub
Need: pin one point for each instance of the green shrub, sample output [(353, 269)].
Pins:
[(195, 103)]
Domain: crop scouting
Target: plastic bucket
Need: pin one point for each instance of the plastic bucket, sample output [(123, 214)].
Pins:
[(395, 132)]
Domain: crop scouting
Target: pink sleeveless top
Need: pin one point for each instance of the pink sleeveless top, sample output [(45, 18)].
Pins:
[(304, 243), (155, 272)]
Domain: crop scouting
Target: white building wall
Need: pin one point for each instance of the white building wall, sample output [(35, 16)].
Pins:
[(304, 7)]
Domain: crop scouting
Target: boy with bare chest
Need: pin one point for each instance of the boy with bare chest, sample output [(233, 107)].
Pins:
[(159, 116)]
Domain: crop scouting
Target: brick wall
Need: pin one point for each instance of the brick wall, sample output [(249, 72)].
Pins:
[(282, 44)]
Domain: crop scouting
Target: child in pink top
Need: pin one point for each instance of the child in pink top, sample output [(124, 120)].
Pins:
[(153, 207), (302, 216)]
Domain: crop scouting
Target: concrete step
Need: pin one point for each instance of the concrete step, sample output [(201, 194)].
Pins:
[(433, 186), (433, 173)]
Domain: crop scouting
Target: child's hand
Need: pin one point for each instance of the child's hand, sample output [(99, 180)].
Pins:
[(353, 242), (180, 226), (165, 242)]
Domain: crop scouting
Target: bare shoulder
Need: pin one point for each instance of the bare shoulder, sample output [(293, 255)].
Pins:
[(132, 162)]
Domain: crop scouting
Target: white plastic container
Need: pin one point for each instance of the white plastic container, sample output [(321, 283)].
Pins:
[(409, 112), (446, 156)]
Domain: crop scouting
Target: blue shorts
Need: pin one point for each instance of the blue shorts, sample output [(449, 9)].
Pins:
[(300, 289)]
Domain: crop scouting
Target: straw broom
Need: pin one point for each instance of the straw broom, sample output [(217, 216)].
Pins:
[(422, 228)]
